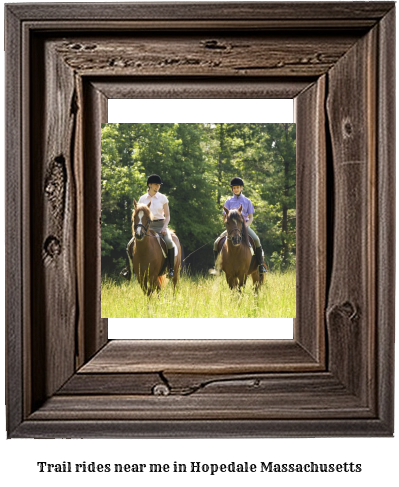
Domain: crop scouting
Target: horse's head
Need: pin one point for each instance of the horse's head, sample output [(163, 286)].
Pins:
[(141, 219), (235, 225)]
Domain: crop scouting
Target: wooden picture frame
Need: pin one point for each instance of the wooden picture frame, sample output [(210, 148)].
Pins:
[(335, 378)]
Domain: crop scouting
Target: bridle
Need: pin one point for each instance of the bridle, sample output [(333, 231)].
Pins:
[(136, 226), (236, 229), (235, 239)]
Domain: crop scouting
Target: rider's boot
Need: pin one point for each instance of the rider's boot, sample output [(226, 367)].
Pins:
[(171, 262), (259, 260)]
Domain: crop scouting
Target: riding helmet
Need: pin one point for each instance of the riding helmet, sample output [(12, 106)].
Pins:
[(154, 179), (236, 182)]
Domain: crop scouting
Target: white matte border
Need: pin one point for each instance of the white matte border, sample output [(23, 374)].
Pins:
[(201, 111), (201, 328)]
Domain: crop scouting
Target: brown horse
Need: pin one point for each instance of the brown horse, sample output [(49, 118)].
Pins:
[(236, 256), (148, 258)]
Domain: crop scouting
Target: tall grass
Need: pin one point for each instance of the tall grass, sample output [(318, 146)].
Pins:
[(201, 297)]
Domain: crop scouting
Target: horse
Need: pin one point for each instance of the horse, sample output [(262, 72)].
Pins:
[(237, 261), (147, 256)]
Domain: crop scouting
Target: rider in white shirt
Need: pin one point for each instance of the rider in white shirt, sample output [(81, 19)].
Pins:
[(160, 209)]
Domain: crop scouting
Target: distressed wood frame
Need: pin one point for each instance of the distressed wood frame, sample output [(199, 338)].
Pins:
[(64, 378)]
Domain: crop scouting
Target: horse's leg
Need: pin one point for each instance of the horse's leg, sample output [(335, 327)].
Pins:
[(146, 282), (256, 280), (176, 269), (153, 284), (175, 279), (242, 281), (232, 281), (147, 286), (177, 266)]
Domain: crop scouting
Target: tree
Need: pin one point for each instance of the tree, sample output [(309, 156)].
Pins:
[(120, 171), (196, 162), (281, 192)]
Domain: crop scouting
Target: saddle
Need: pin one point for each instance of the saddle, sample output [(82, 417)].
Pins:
[(164, 249), (251, 244), (127, 271)]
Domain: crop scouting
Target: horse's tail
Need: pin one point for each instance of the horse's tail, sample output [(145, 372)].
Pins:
[(162, 281)]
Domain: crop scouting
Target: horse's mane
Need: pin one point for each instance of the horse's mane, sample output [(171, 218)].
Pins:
[(146, 210), (140, 207), (236, 214), (148, 213)]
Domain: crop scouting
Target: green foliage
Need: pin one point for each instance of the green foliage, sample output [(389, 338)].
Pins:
[(196, 162)]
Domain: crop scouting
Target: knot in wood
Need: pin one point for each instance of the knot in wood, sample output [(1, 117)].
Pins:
[(52, 246), (213, 44), (346, 310), (161, 390), (50, 188), (349, 310), (347, 128), (90, 47)]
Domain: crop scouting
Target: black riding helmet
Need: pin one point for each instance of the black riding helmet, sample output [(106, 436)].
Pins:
[(154, 179), (236, 182)]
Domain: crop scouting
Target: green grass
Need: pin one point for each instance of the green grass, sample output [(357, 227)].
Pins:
[(201, 297)]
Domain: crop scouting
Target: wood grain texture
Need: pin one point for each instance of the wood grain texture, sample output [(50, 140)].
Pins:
[(311, 218), (385, 245), (255, 396), (95, 330), (184, 384), (53, 245), (205, 388), (136, 384), (175, 88), (203, 407), (246, 55), (14, 207), (208, 11), (250, 428), (351, 307), (200, 356)]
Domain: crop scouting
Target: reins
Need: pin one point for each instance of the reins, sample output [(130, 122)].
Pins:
[(234, 230), (207, 243), (146, 228), (196, 250)]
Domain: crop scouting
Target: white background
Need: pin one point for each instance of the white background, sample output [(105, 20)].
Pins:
[(378, 456)]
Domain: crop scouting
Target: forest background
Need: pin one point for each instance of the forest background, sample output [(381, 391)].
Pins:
[(196, 162)]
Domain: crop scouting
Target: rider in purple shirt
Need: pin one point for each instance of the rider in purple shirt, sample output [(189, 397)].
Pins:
[(233, 203)]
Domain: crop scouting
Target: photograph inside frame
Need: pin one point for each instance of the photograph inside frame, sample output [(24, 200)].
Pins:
[(198, 220)]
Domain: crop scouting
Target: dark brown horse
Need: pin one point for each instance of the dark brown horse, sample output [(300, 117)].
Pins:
[(148, 258), (236, 255)]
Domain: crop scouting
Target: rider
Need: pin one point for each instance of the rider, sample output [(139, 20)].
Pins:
[(233, 203), (160, 210)]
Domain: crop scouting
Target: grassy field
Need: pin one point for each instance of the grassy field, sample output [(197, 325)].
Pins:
[(201, 297)]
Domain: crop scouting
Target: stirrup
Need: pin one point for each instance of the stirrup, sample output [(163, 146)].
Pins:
[(262, 269), (125, 273), (171, 273)]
